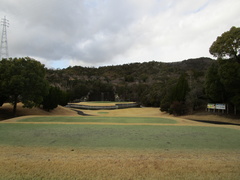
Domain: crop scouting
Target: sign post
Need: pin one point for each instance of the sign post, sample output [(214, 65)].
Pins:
[(211, 106), (217, 106)]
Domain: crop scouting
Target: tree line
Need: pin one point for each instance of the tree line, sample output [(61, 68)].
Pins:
[(24, 80), (178, 88), (223, 77)]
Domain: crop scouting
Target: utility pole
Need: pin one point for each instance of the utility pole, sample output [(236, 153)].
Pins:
[(4, 43)]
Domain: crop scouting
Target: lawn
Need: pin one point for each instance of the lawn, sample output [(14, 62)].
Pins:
[(168, 150), (121, 136), (101, 119)]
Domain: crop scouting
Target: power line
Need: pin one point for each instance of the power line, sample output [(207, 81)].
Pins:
[(4, 42)]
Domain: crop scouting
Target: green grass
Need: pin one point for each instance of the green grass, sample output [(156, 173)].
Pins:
[(103, 112), (100, 119), (122, 136), (101, 102)]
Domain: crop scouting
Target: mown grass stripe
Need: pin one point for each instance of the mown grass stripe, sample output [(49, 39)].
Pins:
[(107, 136), (100, 119)]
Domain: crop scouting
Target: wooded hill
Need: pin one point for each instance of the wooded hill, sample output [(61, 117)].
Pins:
[(147, 72), (146, 83), (177, 88)]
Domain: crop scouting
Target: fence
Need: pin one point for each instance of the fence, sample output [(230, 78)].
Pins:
[(117, 106)]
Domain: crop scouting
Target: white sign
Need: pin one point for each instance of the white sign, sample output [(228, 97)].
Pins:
[(221, 106)]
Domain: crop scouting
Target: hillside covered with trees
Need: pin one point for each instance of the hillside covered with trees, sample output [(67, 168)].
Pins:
[(148, 83)]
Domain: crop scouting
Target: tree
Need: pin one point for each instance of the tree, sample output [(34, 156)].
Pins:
[(179, 96), (4, 64), (227, 45), (195, 99), (64, 98), (229, 73), (51, 100), (3, 98), (181, 89), (214, 89), (23, 79), (177, 108), (222, 83), (80, 90), (165, 103), (54, 98), (175, 97)]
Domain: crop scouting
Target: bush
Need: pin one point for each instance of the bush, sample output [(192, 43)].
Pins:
[(54, 98), (177, 108)]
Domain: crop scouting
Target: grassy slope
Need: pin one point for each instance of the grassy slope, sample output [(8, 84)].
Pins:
[(6, 111)]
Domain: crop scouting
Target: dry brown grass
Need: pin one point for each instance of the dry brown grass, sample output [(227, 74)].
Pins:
[(130, 112), (50, 163), (213, 117), (6, 111)]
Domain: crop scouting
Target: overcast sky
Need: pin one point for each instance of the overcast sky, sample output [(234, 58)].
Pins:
[(62, 33)]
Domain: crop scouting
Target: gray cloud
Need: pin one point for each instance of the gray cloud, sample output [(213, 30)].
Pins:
[(103, 32)]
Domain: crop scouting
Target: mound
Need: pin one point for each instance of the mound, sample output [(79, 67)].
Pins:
[(6, 111)]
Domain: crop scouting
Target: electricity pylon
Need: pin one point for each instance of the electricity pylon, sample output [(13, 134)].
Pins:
[(4, 43)]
